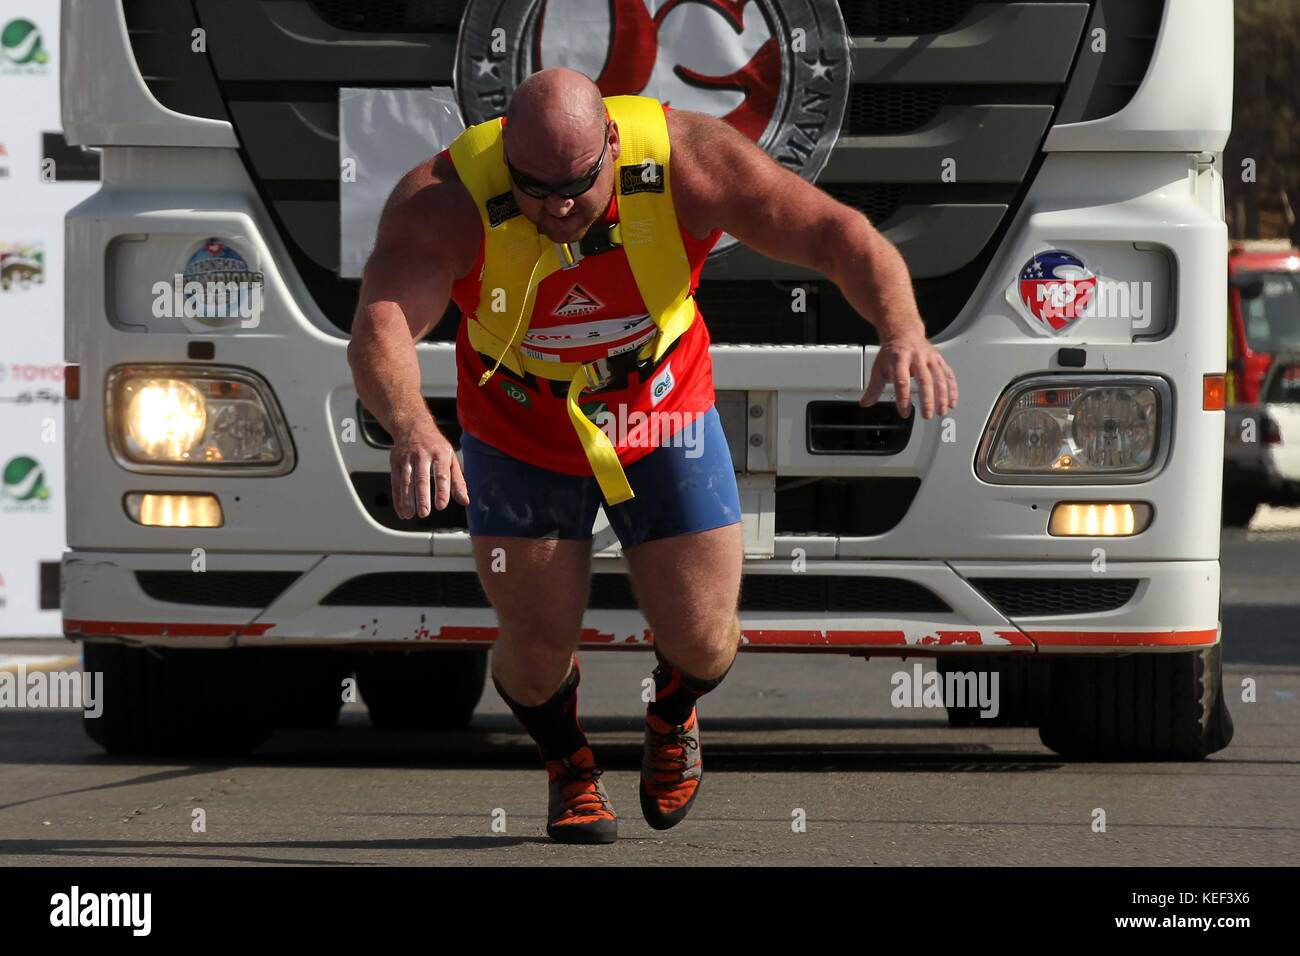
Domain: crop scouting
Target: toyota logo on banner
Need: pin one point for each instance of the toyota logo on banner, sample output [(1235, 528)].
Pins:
[(776, 70)]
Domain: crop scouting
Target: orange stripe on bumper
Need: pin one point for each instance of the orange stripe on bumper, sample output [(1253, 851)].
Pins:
[(1123, 638), (756, 638)]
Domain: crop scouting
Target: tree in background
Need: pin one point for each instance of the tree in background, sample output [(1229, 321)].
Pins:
[(1266, 94)]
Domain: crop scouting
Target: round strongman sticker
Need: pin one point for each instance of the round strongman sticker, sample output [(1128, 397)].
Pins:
[(777, 70)]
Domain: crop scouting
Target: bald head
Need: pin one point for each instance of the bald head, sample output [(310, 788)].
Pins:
[(555, 121), (554, 101)]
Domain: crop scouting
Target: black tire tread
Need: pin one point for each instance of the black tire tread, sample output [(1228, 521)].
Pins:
[(422, 690), (1166, 706), (173, 702), (1022, 690)]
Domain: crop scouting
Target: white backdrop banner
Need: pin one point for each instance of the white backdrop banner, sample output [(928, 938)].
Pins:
[(40, 179)]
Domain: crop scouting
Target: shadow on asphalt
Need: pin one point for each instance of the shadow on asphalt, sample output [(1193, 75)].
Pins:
[(201, 851), (495, 742)]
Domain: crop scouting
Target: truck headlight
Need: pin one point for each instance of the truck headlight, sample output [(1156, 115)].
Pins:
[(1085, 428), (195, 419), (165, 419)]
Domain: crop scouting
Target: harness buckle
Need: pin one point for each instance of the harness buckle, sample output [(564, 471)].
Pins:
[(570, 254)]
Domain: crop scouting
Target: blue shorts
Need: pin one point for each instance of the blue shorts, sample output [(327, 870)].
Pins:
[(681, 487)]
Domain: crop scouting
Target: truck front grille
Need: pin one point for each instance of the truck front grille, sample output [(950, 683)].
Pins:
[(847, 428), (253, 589), (759, 592), (391, 16), (873, 17), (980, 82), (884, 18), (1044, 597)]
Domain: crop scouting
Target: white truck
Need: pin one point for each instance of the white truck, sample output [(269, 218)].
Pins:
[(1050, 170)]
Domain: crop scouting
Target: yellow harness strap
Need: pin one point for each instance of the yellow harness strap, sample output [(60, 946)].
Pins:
[(650, 235), (517, 259)]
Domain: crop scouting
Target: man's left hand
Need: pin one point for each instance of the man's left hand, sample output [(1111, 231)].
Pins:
[(912, 356)]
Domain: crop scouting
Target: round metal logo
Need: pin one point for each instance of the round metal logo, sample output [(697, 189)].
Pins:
[(776, 70)]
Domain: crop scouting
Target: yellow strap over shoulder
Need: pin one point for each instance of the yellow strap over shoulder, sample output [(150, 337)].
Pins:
[(517, 259), (648, 220)]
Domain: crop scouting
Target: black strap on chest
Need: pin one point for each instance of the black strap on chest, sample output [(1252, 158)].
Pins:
[(598, 240)]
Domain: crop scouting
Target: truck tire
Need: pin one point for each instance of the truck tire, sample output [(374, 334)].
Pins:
[(423, 690), (1138, 707), (1238, 510), (173, 702), (309, 685), (1022, 690)]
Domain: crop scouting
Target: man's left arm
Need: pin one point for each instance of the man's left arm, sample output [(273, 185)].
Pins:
[(737, 187)]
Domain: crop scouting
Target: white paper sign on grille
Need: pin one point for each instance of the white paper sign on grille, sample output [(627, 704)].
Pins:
[(383, 134)]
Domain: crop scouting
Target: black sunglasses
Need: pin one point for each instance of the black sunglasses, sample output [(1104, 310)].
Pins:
[(540, 190)]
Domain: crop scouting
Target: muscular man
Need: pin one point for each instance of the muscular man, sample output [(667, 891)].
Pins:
[(571, 233)]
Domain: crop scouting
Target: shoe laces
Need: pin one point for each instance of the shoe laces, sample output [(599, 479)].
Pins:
[(578, 784), (669, 755)]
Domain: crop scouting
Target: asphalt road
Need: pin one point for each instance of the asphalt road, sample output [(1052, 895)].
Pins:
[(786, 738)]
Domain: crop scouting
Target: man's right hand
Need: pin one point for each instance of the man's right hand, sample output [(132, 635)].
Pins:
[(420, 451), (405, 290)]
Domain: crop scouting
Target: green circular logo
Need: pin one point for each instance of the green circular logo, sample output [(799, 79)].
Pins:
[(517, 393), (24, 480), (20, 41)]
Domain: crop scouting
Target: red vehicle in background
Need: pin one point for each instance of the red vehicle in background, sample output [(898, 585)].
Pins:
[(1263, 382)]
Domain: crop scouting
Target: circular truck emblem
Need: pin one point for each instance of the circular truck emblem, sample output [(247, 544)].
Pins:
[(776, 70), (1052, 291), (216, 282)]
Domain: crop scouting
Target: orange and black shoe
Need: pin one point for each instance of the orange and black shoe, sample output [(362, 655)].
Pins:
[(579, 810), (671, 770)]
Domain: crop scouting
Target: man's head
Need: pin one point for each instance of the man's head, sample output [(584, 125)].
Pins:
[(556, 131)]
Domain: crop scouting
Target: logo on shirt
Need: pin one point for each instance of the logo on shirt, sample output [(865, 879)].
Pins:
[(500, 208), (577, 301), (517, 393), (661, 385), (645, 178)]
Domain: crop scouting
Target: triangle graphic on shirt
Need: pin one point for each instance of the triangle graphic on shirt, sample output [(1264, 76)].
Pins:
[(577, 301)]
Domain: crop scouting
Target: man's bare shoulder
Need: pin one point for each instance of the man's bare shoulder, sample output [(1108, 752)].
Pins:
[(696, 139), (431, 210)]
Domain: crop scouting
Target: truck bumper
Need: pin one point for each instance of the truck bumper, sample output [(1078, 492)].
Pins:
[(855, 607)]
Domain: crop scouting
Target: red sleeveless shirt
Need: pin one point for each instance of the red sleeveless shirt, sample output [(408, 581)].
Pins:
[(581, 314)]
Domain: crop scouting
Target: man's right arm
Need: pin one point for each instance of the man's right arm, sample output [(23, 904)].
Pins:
[(424, 238)]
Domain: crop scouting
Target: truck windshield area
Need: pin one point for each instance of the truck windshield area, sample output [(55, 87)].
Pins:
[(1273, 317)]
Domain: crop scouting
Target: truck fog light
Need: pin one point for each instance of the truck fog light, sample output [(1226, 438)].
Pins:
[(161, 510), (1099, 519)]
